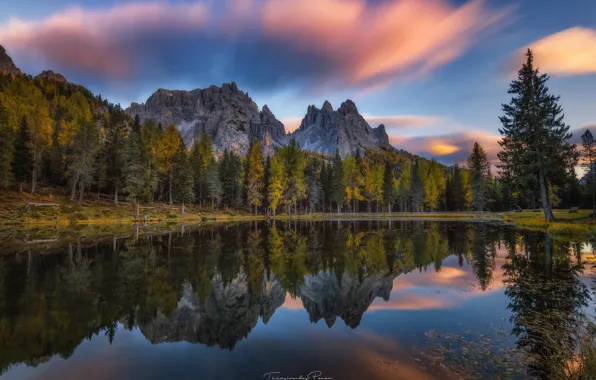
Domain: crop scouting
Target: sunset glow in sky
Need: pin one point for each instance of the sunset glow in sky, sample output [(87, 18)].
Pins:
[(435, 72)]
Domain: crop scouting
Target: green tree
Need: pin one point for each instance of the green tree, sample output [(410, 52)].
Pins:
[(314, 190), (22, 166), (82, 169), (535, 145), (214, 185), (403, 185), (389, 190), (115, 150), (480, 170), (294, 163), (170, 145), (201, 158), (589, 163), (337, 185), (6, 150), (277, 183), (184, 184), (134, 172), (255, 175)]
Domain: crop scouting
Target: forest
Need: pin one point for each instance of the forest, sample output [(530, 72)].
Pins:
[(62, 136)]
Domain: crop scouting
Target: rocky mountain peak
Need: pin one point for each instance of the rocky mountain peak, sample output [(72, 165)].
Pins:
[(7, 66), (52, 76), (327, 107), (348, 107)]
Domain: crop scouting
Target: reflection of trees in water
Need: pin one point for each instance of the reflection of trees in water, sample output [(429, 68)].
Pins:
[(546, 299), (212, 285)]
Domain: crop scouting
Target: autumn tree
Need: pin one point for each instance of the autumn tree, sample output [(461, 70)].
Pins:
[(479, 169), (354, 182), (114, 150), (170, 144), (6, 150), (589, 163), (389, 190), (337, 185), (255, 175), (277, 183), (535, 146), (22, 166)]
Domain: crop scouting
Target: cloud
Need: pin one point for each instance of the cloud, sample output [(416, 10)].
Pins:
[(451, 148), (261, 44), (569, 52), (403, 122)]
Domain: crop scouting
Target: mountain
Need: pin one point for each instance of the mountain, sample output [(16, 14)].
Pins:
[(227, 115), (49, 75), (7, 66), (325, 130)]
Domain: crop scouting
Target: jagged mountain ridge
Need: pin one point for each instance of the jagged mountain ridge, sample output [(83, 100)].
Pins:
[(226, 114), (232, 120), (7, 66)]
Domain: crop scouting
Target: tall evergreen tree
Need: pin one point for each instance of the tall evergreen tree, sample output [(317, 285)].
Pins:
[(184, 184), (81, 171), (201, 158), (479, 172), (294, 162), (22, 166), (134, 172), (337, 185), (535, 145), (314, 189), (115, 150), (589, 163), (255, 175), (389, 193), (214, 185), (169, 147), (6, 150)]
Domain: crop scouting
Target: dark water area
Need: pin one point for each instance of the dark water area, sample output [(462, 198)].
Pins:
[(310, 300)]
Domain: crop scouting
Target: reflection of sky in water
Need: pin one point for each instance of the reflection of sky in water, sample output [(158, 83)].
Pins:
[(386, 342)]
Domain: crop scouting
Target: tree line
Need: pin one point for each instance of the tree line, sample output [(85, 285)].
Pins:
[(60, 134)]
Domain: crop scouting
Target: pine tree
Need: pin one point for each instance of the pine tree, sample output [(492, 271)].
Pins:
[(183, 186), (314, 189), (589, 163), (535, 144), (403, 185), (170, 145), (479, 170), (22, 166), (266, 181), (277, 183), (294, 162), (214, 185), (201, 158), (389, 193), (376, 184), (6, 150), (134, 172), (337, 186), (82, 169), (115, 150), (255, 175)]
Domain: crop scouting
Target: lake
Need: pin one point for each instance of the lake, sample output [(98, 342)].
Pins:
[(296, 300)]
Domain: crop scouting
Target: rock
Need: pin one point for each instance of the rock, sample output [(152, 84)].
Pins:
[(227, 115), (326, 131), (51, 76), (7, 66)]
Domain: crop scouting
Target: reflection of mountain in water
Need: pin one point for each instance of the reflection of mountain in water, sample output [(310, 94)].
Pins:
[(227, 316), (325, 296)]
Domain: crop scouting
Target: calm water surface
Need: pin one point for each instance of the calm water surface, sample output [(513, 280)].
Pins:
[(340, 300)]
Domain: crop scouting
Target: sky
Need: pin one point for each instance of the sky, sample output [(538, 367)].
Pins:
[(435, 72)]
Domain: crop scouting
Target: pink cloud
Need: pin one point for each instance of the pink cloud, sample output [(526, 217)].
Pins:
[(402, 122), (359, 43)]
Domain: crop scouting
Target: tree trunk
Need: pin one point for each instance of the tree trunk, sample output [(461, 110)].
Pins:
[(548, 214), (21, 187), (73, 190), (81, 193), (171, 198), (338, 206), (33, 180), (389, 208), (116, 195), (369, 207)]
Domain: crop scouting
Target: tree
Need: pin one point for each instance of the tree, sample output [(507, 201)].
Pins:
[(337, 186), (277, 183), (255, 175), (535, 147), (353, 181), (213, 182), (376, 183), (403, 184), (40, 130), (480, 170), (82, 169), (22, 166), (184, 184), (294, 162), (389, 190), (170, 145), (115, 150), (6, 150), (134, 173), (589, 154), (201, 158), (314, 190), (455, 191)]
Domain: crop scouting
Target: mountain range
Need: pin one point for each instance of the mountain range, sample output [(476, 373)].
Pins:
[(232, 119)]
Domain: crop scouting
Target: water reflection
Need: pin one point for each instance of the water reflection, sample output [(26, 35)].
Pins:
[(213, 285)]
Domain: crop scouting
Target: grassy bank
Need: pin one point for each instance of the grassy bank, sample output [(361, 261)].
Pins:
[(566, 224)]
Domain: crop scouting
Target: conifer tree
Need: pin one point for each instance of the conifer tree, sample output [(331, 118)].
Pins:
[(22, 166), (170, 145), (201, 158), (255, 175), (376, 184), (293, 164), (183, 186), (403, 185), (115, 150), (6, 150), (479, 172), (134, 172), (535, 145), (277, 183), (266, 181), (389, 193), (337, 186), (313, 185), (589, 163), (214, 185), (82, 169)]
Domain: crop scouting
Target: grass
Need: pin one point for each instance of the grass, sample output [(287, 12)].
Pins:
[(566, 224)]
